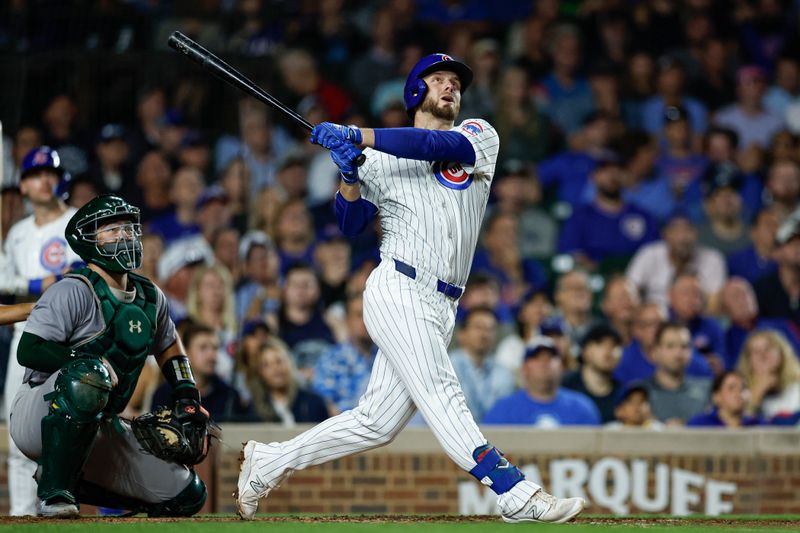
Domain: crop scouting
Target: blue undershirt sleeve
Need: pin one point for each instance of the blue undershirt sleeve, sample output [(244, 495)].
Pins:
[(425, 145), (353, 217)]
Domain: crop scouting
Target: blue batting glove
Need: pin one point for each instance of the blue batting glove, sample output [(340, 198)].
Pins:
[(326, 134), (344, 155)]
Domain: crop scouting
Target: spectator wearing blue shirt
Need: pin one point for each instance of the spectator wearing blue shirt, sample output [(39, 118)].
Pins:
[(567, 173), (686, 300), (342, 373), (679, 162), (729, 399), (500, 257), (601, 351), (294, 234), (670, 85), (725, 228), (483, 289), (181, 222), (258, 294), (542, 402), (573, 298), (637, 357), (482, 379), (755, 261), (608, 227), (647, 188)]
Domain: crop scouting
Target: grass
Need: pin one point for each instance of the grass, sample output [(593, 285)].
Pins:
[(227, 524)]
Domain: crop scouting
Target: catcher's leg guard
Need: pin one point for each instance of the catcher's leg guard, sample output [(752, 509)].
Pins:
[(186, 503), (81, 392)]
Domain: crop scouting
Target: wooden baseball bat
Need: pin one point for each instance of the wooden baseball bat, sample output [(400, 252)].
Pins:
[(222, 70)]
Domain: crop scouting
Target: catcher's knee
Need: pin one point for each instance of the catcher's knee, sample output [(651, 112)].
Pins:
[(187, 503), (81, 390)]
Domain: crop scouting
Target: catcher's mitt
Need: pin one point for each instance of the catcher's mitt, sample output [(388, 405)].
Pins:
[(181, 435)]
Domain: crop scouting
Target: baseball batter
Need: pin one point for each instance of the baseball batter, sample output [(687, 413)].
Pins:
[(36, 255), (430, 185), (83, 347)]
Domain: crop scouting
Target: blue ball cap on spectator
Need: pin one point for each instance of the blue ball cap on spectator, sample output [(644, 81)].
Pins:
[(39, 158), (626, 391), (415, 89), (193, 138), (551, 326), (722, 175), (111, 132), (540, 344), (212, 193), (675, 113), (251, 326)]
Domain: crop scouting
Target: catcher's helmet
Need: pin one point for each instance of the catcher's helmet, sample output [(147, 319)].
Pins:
[(38, 158), (415, 88), (123, 252)]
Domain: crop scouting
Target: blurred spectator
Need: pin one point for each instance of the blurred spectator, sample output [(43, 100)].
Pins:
[(686, 308), (567, 173), (379, 62), (184, 194), (564, 94), (342, 373), (333, 262), (518, 193), (482, 378), (12, 210), (725, 228), (679, 162), (258, 295), (542, 402), (714, 84), (739, 306), (220, 399), (111, 171), (534, 308), (601, 350), (294, 234), (606, 94), (778, 293), (675, 398), (638, 361), (150, 107), (60, 133), (619, 304), (153, 183), (519, 120), (645, 186), (211, 211), (235, 182), (528, 48), (78, 190), (632, 409), (755, 261), (729, 397), (152, 249), (479, 101), (195, 151), (301, 322), (225, 245), (786, 88), (278, 397), (638, 85), (173, 129), (783, 186), (483, 290), (655, 265), (176, 268), (754, 125), (210, 302), (771, 370), (573, 299), (670, 84), (291, 179), (607, 229), (500, 257), (26, 138), (302, 78)]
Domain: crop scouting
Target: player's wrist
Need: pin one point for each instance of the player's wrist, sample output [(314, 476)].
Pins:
[(350, 178)]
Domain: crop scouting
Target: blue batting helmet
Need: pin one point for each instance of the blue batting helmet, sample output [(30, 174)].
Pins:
[(415, 89), (41, 157)]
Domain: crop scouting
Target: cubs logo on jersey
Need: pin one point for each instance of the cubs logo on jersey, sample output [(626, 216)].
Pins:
[(53, 256), (472, 127), (451, 175)]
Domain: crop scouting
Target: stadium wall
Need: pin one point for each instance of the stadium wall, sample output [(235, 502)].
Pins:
[(620, 472)]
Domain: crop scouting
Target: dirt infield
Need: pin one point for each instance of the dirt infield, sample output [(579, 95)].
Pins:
[(744, 522)]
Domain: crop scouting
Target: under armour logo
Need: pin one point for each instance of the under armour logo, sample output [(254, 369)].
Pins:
[(135, 326)]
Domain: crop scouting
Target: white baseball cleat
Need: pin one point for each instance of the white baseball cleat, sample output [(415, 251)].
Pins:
[(250, 487), (543, 507), (58, 509)]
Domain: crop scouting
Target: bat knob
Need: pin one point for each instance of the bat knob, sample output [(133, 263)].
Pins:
[(360, 159)]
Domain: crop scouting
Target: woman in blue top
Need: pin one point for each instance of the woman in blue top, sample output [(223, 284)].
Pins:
[(729, 398)]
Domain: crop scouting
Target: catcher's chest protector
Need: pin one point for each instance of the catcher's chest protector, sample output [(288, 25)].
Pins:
[(127, 339)]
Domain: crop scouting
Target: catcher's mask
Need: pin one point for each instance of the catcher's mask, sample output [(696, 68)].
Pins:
[(107, 232)]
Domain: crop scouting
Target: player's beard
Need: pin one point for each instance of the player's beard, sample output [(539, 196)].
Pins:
[(430, 105)]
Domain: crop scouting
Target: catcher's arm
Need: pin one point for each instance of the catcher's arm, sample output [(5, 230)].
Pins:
[(15, 313)]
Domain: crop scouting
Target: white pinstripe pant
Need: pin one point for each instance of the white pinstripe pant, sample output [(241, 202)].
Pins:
[(412, 324)]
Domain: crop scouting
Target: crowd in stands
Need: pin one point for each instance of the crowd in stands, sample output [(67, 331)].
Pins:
[(639, 264)]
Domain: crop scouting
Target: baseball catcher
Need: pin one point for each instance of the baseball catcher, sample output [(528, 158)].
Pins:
[(84, 347)]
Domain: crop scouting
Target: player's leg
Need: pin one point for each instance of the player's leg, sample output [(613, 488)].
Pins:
[(384, 409), (413, 328), (21, 484)]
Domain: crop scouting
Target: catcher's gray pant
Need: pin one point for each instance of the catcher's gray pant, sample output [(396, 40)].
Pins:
[(116, 462), (21, 485)]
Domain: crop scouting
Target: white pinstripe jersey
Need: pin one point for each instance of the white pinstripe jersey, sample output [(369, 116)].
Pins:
[(431, 213)]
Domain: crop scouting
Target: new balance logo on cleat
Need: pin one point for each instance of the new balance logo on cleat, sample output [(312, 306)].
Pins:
[(258, 485)]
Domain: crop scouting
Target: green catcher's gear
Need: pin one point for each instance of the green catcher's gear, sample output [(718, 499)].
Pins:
[(127, 338), (81, 392), (187, 503), (124, 252)]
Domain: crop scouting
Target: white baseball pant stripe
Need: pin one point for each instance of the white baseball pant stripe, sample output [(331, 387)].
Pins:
[(412, 324)]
